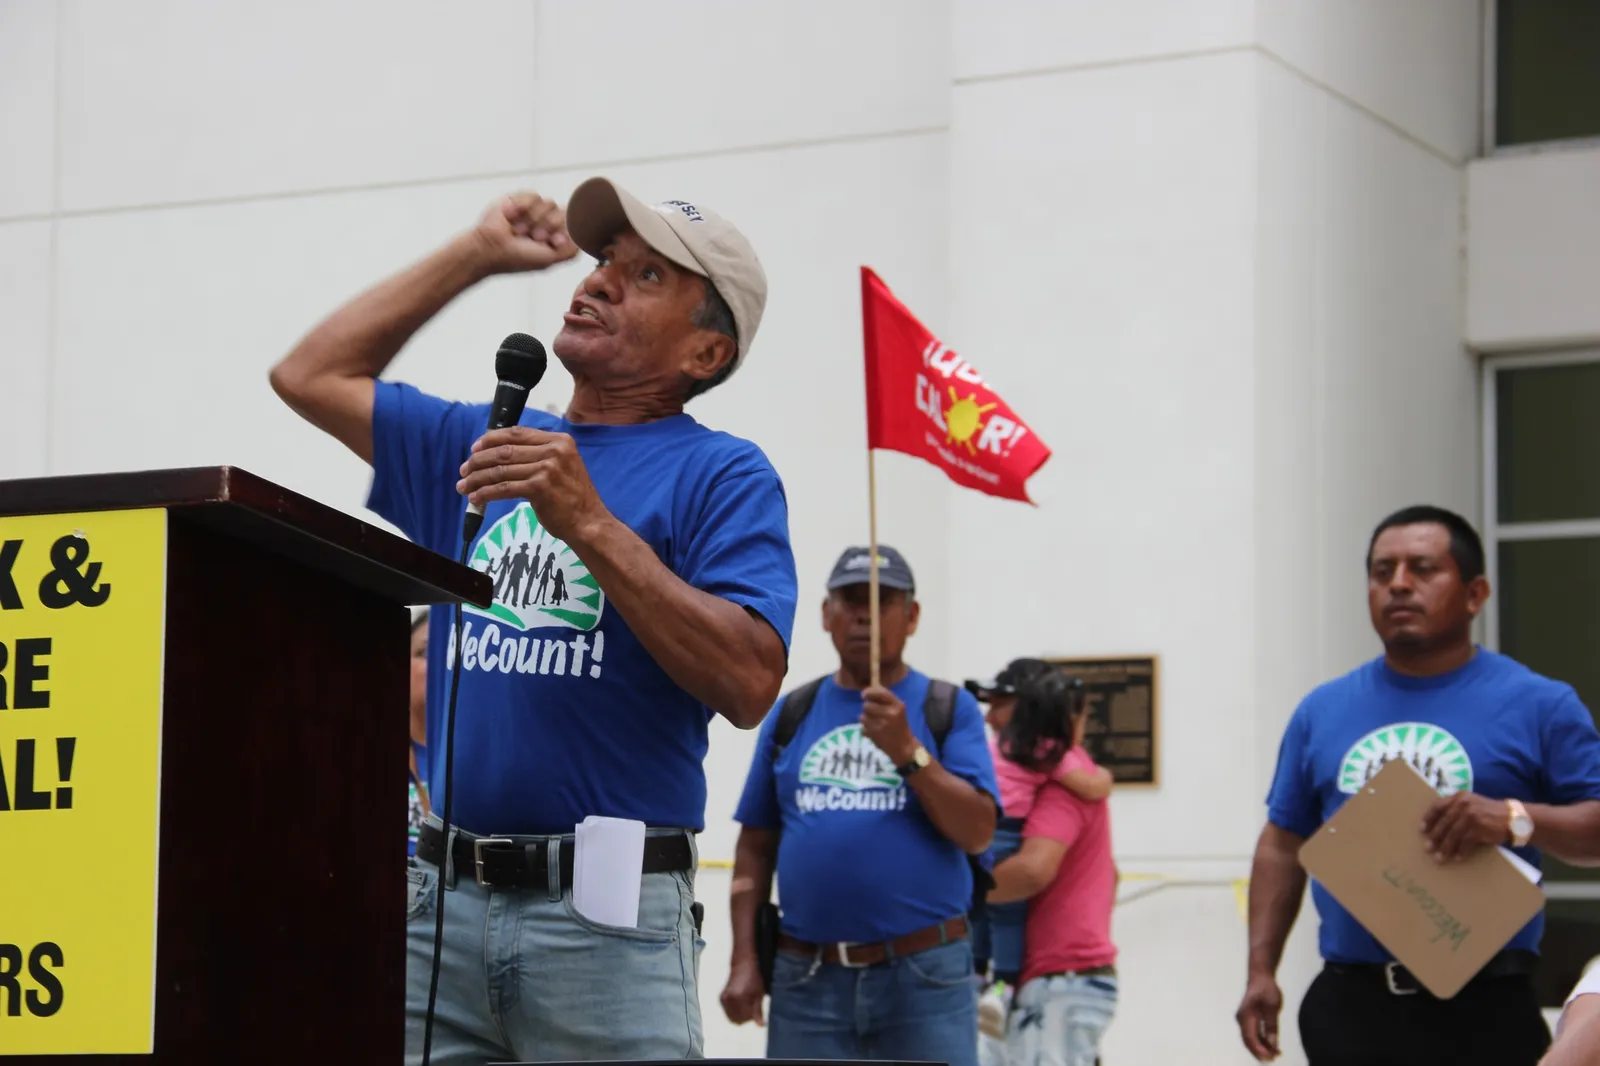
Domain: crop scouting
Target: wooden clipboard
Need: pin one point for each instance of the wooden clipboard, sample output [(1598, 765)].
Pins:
[(1443, 922)]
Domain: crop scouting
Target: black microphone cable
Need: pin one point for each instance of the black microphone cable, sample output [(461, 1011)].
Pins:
[(519, 365), (446, 863)]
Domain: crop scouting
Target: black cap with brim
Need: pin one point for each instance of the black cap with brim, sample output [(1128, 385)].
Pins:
[(1006, 682), (855, 568), (982, 689)]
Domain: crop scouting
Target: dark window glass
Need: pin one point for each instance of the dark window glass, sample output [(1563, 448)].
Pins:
[(1571, 939), (1547, 435), (1547, 70), (1550, 621)]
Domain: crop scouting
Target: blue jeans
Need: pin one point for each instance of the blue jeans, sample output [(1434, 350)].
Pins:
[(1058, 1021), (917, 1008), (997, 933), (524, 977)]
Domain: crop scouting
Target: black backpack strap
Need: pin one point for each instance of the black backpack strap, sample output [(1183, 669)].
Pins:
[(939, 711), (796, 705), (791, 712)]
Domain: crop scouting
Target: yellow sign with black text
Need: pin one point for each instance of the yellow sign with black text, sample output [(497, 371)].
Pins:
[(82, 613)]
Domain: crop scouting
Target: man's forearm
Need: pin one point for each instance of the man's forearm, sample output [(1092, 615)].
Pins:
[(752, 886), (1570, 833), (354, 345), (1029, 871), (1014, 881), (963, 814), (1577, 1040), (1277, 884), (714, 649)]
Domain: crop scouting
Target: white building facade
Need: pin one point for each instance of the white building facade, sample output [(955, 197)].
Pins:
[(1259, 271)]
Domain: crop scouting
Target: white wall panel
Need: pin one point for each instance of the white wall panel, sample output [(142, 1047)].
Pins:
[(27, 107), (178, 100), (1399, 392), (1415, 62), (1102, 251), (998, 37), (1159, 937), (624, 80), (1533, 252), (1289, 411), (24, 348)]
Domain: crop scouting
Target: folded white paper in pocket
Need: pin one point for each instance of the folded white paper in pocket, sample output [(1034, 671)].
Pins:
[(607, 868)]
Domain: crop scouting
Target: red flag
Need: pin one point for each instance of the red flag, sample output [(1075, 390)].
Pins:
[(926, 401)]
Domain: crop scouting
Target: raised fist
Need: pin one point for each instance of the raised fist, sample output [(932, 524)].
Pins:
[(524, 231)]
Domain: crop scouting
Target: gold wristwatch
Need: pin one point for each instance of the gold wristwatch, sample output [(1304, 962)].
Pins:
[(1520, 823), (919, 759)]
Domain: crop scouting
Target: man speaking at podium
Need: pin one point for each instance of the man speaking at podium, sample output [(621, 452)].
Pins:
[(643, 582)]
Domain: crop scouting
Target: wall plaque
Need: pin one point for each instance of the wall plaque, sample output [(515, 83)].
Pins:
[(1124, 715)]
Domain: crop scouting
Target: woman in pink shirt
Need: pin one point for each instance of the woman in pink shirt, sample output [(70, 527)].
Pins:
[(1066, 871)]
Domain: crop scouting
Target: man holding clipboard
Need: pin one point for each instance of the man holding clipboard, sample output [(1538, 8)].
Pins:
[(1516, 760)]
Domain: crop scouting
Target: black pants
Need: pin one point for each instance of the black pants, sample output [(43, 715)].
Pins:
[(1352, 1019)]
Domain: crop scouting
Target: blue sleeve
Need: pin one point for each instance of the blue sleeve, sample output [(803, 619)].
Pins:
[(966, 747), (1292, 802), (1571, 752), (418, 445), (740, 548), (758, 804)]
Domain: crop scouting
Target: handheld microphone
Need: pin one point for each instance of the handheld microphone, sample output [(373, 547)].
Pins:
[(519, 364)]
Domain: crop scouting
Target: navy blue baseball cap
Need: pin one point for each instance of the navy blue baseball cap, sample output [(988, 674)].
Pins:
[(855, 568)]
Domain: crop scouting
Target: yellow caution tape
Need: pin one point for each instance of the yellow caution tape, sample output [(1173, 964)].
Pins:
[(1240, 885)]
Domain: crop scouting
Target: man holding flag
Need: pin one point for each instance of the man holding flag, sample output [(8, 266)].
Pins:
[(849, 793), (865, 798)]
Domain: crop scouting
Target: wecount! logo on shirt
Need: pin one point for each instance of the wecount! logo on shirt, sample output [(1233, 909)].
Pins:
[(844, 771), (539, 583), (1431, 752)]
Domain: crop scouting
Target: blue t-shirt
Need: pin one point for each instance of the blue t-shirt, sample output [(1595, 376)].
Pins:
[(858, 859), (1493, 727), (562, 713)]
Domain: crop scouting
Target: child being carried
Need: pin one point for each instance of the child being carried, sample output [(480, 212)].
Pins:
[(1037, 714)]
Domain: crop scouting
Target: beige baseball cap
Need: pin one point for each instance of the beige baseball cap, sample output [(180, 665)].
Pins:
[(694, 237)]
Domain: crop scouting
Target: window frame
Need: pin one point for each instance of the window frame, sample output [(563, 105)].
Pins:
[(1489, 80), (1495, 532)]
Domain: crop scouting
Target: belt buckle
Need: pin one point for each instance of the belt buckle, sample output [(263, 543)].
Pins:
[(477, 857), (844, 958), (1390, 969)]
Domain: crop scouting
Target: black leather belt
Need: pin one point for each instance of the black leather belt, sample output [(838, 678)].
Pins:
[(524, 862), (855, 956), (1093, 971), (1401, 982)]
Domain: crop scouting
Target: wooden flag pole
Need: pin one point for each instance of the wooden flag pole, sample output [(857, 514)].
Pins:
[(872, 548)]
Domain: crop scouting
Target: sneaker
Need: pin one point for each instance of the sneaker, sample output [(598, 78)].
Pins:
[(993, 1006)]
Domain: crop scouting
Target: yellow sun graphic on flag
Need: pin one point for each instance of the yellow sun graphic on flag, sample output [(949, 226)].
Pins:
[(961, 419)]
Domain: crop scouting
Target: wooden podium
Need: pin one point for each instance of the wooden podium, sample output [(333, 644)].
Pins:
[(280, 921)]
